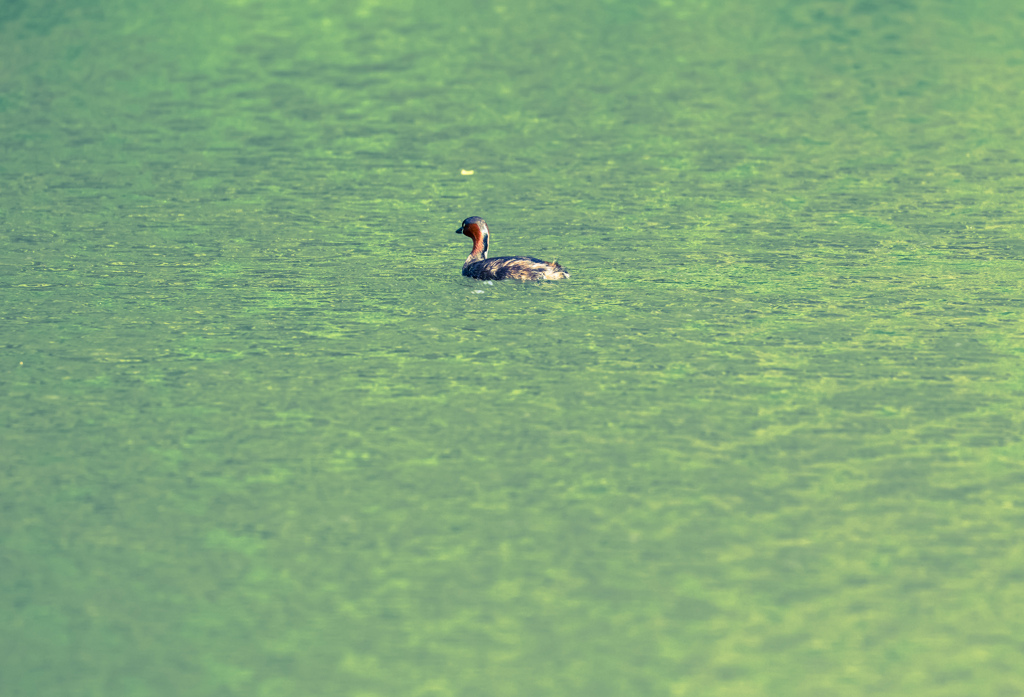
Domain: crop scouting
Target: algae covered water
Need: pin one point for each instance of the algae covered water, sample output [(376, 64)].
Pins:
[(260, 437)]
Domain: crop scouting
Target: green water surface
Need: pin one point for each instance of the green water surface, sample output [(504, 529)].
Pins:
[(259, 437)]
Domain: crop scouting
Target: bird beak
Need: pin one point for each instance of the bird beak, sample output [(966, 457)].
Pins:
[(459, 231)]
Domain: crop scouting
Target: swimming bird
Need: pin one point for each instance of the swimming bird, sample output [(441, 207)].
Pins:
[(500, 268)]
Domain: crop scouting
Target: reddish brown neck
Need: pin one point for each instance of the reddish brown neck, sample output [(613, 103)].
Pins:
[(480, 243)]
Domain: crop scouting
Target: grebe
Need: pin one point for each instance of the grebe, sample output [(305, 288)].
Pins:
[(500, 268)]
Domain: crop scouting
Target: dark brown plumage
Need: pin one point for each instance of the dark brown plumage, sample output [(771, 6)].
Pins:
[(501, 268)]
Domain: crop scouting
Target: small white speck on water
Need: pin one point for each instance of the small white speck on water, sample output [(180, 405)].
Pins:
[(490, 283), (478, 291)]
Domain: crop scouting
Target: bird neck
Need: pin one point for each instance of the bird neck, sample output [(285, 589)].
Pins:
[(480, 245)]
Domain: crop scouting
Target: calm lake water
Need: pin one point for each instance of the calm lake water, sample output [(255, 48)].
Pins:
[(260, 437)]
